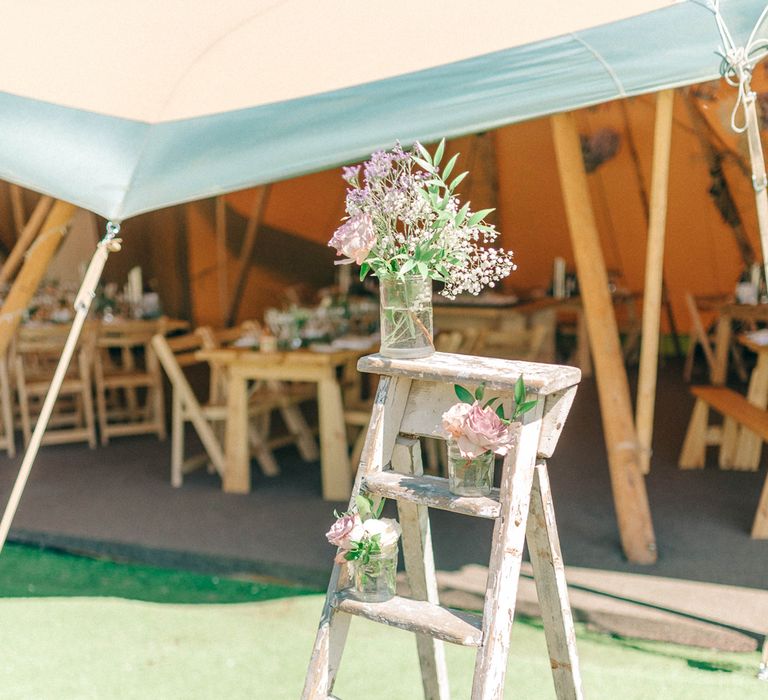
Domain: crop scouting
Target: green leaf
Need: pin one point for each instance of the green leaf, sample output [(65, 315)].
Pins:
[(480, 391), (364, 270), (363, 505), (461, 215), (519, 390), (477, 217), (448, 169), (380, 508), (423, 269), (500, 411), (423, 163), (490, 402), (439, 152), (525, 407), (458, 180), (424, 152), (463, 394)]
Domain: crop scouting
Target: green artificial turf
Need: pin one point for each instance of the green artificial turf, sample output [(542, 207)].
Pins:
[(96, 644), (32, 572)]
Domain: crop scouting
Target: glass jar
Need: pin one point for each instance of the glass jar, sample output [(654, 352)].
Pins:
[(406, 316), (469, 476), (375, 580)]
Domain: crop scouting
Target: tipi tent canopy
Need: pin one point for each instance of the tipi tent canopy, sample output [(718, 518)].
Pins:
[(128, 107)]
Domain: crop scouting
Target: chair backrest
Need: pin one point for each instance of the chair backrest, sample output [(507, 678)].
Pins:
[(695, 308), (175, 353), (523, 344), (39, 348)]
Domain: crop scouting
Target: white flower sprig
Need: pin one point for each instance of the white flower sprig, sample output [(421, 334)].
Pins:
[(403, 217)]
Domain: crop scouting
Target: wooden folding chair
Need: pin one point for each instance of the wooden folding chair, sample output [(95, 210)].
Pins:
[(37, 351), (121, 380), (702, 334), (519, 344)]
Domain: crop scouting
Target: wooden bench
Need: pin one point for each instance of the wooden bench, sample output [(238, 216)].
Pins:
[(737, 413)]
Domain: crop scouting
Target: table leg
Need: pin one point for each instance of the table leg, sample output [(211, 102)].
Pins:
[(237, 468), (722, 343), (749, 445), (334, 458)]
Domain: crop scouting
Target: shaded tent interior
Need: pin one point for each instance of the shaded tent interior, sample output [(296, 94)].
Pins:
[(512, 168)]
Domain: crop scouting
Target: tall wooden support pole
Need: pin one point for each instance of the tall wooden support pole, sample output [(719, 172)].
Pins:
[(246, 252), (36, 263), (221, 254), (25, 239), (654, 276), (629, 494), (17, 205)]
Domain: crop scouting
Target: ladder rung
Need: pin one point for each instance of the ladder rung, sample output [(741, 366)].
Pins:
[(450, 625), (430, 491)]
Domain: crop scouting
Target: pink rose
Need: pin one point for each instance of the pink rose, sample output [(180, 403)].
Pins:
[(483, 431), (355, 237), (345, 530), (454, 419)]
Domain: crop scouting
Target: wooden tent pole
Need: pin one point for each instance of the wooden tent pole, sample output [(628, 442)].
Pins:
[(654, 276), (629, 494), (36, 263), (25, 239), (221, 253), (82, 305), (246, 252), (17, 205)]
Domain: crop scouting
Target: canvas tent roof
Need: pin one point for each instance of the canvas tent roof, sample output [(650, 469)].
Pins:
[(130, 107)]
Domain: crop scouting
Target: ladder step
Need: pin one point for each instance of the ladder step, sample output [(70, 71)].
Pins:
[(455, 626), (430, 491)]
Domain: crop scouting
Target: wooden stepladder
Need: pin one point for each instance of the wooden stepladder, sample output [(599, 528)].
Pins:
[(410, 401)]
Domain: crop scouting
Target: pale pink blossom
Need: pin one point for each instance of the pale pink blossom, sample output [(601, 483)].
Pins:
[(483, 430), (345, 530), (454, 419), (355, 237)]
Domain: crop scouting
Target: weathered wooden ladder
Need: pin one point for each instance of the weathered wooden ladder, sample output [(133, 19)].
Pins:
[(411, 398)]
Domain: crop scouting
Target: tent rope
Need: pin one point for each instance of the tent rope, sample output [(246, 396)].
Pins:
[(736, 67)]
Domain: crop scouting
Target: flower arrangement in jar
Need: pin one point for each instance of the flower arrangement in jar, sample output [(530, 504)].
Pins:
[(476, 433), (405, 224), (368, 544)]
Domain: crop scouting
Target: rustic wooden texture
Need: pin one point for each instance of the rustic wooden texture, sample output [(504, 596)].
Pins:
[(506, 556), (760, 524), (26, 236), (654, 277), (694, 450), (8, 441), (498, 375), (629, 493), (749, 445), (556, 409), (431, 491), (185, 408), (454, 626), (221, 256), (420, 568), (698, 336), (17, 206), (552, 589), (37, 351), (400, 397), (32, 271), (740, 414), (299, 366), (246, 252), (388, 407)]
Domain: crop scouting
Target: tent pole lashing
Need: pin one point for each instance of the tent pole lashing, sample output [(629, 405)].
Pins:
[(110, 243)]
